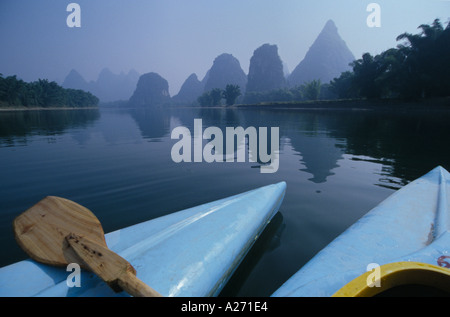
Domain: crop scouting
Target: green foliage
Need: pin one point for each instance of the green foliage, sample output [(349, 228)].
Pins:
[(311, 90), (344, 86), (210, 98), (42, 93), (280, 95), (214, 96), (417, 68), (231, 93), (205, 100)]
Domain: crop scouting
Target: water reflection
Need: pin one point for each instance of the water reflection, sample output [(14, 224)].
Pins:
[(17, 126), (154, 123), (406, 145), (308, 133)]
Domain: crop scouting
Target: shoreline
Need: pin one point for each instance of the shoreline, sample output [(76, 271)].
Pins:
[(5, 109), (442, 103)]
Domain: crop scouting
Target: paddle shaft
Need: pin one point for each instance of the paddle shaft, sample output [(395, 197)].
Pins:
[(111, 267), (135, 287)]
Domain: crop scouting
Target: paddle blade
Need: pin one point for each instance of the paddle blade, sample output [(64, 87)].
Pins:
[(41, 230)]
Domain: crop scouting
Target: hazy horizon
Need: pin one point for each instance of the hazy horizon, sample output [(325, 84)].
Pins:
[(177, 38)]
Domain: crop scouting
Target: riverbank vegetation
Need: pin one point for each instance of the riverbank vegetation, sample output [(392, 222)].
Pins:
[(313, 90), (214, 96), (16, 93), (417, 69)]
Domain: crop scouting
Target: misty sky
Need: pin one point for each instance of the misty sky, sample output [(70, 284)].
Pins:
[(178, 37)]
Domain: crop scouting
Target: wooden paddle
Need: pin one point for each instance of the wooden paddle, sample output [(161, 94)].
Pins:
[(58, 231)]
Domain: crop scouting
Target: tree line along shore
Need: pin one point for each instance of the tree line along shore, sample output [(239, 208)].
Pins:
[(41, 94)]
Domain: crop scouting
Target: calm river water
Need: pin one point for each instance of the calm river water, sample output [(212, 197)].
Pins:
[(338, 164)]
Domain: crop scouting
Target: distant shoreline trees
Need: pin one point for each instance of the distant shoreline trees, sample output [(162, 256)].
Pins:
[(312, 90), (42, 94), (231, 93), (418, 68), (214, 96)]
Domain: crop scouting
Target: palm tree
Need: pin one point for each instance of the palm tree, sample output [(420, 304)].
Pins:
[(427, 63)]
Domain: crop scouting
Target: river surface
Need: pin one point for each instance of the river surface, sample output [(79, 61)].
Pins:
[(338, 164)]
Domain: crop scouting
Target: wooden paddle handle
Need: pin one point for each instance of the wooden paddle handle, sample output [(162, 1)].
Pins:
[(117, 272), (135, 287)]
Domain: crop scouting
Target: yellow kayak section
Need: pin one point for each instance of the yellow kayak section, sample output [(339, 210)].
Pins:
[(396, 274)]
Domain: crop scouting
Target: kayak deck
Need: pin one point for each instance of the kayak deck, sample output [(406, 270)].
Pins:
[(188, 253), (410, 225)]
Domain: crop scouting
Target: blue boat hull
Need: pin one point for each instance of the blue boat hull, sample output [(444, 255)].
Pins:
[(410, 225), (193, 252)]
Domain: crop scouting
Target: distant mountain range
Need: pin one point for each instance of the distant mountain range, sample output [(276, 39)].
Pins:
[(108, 86), (326, 59)]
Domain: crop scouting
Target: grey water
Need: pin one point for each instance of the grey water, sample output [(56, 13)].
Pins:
[(338, 164)]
